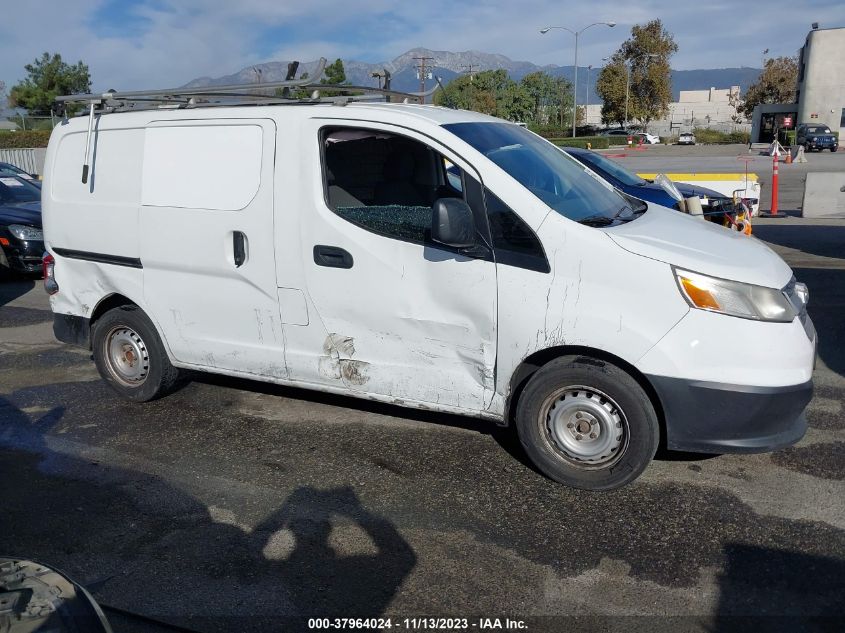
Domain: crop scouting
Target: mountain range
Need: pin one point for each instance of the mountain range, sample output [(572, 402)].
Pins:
[(448, 65)]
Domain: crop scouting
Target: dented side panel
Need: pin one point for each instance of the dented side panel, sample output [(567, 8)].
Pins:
[(597, 296), (407, 321)]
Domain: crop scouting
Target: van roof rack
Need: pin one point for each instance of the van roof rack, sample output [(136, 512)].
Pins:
[(238, 94), (228, 95)]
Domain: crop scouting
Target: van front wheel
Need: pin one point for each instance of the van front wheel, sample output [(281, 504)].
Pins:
[(130, 356), (587, 423)]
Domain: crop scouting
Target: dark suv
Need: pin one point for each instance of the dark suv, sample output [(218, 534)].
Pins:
[(21, 237), (816, 136)]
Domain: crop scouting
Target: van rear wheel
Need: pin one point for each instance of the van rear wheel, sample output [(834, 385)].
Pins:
[(587, 423), (130, 355)]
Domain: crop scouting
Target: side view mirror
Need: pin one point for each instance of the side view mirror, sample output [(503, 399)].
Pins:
[(452, 223)]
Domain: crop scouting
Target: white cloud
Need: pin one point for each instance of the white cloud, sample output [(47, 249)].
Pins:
[(183, 39)]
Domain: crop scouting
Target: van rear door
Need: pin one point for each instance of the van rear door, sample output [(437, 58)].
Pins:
[(206, 234)]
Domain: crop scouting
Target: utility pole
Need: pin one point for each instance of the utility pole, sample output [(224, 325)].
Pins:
[(469, 70), (422, 73)]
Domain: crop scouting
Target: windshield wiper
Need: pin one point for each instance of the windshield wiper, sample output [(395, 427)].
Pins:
[(597, 220)]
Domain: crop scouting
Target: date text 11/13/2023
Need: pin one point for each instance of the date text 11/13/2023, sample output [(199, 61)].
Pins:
[(419, 624)]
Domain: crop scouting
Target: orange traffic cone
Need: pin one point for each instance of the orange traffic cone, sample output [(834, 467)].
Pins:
[(788, 160)]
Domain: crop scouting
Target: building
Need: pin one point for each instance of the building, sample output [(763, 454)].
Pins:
[(820, 93), (715, 108), (821, 79)]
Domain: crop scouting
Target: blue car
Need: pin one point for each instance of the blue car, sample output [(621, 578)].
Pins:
[(8, 168), (640, 188)]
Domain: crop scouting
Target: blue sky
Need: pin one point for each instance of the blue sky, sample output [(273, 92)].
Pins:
[(162, 43)]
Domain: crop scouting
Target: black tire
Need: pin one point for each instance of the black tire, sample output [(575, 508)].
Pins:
[(137, 367), (598, 396)]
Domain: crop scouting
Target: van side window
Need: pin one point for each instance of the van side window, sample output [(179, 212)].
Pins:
[(514, 242), (383, 182)]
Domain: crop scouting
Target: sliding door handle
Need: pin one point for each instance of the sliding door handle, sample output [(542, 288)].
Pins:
[(239, 248), (332, 257)]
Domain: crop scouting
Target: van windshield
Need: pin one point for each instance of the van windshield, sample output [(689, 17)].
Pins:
[(559, 181)]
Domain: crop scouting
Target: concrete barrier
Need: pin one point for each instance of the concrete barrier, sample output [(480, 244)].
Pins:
[(725, 184), (824, 195), (31, 160)]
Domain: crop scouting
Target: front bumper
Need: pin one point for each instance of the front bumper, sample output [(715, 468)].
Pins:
[(733, 385), (811, 144), (711, 417), (24, 257)]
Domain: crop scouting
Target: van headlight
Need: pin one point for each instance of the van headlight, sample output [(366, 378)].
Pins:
[(734, 298), (26, 233)]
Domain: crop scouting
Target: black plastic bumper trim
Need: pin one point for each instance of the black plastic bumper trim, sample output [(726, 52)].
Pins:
[(102, 258), (713, 417), (72, 329)]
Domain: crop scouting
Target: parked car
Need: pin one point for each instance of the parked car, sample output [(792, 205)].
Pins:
[(713, 203), (813, 136), (21, 237), (649, 139), (327, 248), (686, 138), (617, 132), (17, 171)]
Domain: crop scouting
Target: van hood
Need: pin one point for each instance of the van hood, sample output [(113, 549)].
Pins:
[(28, 213), (700, 246)]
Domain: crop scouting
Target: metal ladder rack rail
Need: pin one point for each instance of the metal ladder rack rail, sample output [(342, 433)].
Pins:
[(113, 100), (170, 94)]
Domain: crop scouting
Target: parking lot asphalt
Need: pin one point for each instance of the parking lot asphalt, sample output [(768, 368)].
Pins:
[(234, 505)]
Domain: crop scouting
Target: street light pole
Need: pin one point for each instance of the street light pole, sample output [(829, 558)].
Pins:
[(545, 30)]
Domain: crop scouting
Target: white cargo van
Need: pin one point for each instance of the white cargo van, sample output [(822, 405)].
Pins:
[(426, 257)]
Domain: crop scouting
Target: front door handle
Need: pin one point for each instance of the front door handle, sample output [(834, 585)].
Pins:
[(332, 257), (239, 248)]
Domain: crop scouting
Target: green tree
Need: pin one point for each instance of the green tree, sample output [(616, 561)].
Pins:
[(514, 103), (647, 53), (776, 84), (550, 96), (49, 77), (493, 92), (334, 74), (610, 86)]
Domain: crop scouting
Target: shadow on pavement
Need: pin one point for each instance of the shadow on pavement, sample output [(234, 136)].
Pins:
[(173, 561), (505, 437), (827, 309), (825, 240), (757, 581), (14, 288)]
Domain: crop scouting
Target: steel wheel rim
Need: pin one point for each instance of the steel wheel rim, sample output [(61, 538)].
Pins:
[(584, 426), (126, 356)]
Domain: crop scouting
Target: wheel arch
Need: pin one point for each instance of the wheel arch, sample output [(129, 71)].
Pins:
[(109, 302), (530, 364)]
